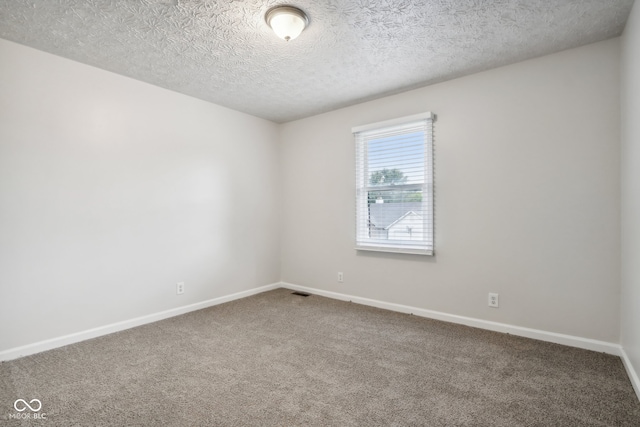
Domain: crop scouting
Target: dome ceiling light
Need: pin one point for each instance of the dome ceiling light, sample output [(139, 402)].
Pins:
[(286, 21)]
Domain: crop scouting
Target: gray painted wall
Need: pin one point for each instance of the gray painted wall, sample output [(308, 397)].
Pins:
[(527, 162), (113, 190), (630, 315)]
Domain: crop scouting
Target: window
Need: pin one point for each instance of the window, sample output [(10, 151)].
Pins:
[(394, 185)]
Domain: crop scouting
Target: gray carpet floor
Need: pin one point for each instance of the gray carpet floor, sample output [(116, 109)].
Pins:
[(277, 359)]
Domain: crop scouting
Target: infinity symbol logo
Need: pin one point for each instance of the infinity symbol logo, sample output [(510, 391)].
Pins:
[(27, 405)]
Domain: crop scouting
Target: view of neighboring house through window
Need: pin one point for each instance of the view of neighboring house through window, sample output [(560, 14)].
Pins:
[(394, 185)]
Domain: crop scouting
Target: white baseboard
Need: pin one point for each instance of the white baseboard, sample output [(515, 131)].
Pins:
[(52, 343), (633, 375), (573, 341), (569, 340)]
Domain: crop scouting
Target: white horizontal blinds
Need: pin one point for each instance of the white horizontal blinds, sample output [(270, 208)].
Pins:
[(394, 186)]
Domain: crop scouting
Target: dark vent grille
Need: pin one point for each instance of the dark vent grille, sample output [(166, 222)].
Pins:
[(302, 294)]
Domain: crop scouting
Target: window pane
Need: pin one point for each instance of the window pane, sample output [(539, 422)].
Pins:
[(396, 160), (396, 215)]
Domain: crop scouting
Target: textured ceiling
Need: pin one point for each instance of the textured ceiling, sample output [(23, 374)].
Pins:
[(353, 50)]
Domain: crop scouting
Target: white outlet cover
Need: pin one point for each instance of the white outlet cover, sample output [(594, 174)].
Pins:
[(494, 300)]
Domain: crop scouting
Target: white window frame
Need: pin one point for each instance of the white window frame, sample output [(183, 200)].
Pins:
[(364, 242)]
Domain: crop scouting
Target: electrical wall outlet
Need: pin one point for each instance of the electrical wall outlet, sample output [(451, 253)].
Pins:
[(180, 288), (494, 300), (340, 277)]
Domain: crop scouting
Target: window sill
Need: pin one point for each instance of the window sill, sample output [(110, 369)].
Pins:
[(395, 250)]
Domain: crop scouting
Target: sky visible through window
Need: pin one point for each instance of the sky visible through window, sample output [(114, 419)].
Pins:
[(404, 153)]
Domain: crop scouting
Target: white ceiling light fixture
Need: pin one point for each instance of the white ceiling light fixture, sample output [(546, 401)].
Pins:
[(286, 21)]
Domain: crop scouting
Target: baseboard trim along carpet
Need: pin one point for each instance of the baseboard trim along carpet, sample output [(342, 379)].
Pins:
[(569, 340), (572, 341), (633, 375), (14, 353)]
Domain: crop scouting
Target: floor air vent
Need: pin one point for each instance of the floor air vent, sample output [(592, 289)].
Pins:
[(302, 294)]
